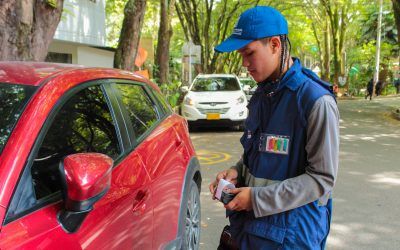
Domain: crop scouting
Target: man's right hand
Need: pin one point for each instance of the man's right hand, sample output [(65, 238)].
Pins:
[(229, 175)]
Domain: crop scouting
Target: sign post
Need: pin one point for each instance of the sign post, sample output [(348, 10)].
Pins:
[(191, 55)]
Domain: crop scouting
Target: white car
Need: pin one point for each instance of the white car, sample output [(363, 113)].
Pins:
[(215, 100)]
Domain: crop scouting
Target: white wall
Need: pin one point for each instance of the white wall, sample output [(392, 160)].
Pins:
[(84, 55), (95, 57), (65, 48), (83, 22)]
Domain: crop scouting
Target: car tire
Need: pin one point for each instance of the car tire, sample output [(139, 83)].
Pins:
[(239, 128), (191, 237)]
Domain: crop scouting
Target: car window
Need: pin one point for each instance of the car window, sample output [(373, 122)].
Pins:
[(140, 108), (248, 81), (13, 99), (215, 84), (83, 124), (163, 103)]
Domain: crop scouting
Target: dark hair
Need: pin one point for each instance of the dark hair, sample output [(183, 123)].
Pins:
[(285, 52)]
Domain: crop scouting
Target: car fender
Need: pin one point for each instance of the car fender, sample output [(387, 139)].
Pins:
[(192, 173)]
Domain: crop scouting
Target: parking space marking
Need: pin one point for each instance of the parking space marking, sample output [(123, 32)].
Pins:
[(212, 157)]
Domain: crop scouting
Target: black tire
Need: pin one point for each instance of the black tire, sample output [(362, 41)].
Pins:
[(191, 236)]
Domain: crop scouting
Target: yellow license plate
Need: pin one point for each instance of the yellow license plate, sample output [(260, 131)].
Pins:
[(213, 116)]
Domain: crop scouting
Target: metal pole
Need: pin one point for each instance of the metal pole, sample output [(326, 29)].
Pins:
[(378, 48)]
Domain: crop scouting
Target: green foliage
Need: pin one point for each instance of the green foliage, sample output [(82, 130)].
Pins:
[(52, 3), (114, 18), (67, 11), (359, 43), (172, 92)]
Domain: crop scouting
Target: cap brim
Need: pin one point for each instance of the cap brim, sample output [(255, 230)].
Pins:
[(231, 44)]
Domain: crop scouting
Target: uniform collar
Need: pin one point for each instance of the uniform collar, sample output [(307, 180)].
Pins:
[(292, 79)]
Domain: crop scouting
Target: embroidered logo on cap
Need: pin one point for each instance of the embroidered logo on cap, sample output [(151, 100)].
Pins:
[(237, 32), (278, 144)]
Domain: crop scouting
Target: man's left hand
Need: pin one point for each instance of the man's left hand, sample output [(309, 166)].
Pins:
[(242, 200)]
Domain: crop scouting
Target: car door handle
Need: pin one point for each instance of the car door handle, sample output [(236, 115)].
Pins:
[(178, 142), (139, 203)]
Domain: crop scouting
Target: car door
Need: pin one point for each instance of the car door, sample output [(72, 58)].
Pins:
[(85, 120), (163, 152)]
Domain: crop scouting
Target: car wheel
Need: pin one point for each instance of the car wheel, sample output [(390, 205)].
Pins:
[(193, 216), (239, 127)]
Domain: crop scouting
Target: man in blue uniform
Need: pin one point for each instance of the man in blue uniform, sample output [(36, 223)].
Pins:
[(291, 143)]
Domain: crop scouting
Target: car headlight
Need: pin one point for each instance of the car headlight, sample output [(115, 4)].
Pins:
[(189, 101), (240, 100)]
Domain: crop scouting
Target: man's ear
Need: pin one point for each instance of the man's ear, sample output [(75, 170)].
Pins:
[(275, 43)]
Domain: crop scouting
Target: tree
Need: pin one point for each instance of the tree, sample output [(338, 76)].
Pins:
[(207, 23), (125, 54), (164, 38), (339, 15), (114, 19), (321, 32), (27, 27), (396, 11)]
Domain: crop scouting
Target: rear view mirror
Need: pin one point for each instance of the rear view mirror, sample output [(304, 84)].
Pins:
[(184, 89), (86, 178)]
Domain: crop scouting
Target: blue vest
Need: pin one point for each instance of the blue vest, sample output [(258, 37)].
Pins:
[(277, 123)]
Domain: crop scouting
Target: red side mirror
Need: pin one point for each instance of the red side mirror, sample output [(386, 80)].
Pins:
[(87, 175), (87, 178)]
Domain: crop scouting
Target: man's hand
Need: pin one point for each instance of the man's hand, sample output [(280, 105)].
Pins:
[(242, 200), (229, 175)]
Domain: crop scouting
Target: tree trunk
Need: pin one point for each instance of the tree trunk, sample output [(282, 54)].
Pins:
[(126, 52), (207, 29), (27, 27), (164, 38), (396, 11), (327, 55)]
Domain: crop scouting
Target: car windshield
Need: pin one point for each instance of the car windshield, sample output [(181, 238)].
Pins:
[(13, 99), (216, 84), (248, 81)]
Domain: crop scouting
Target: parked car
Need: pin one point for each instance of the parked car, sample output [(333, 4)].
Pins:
[(214, 100), (93, 158), (249, 85)]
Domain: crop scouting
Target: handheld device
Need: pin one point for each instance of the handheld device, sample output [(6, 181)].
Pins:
[(221, 191), (226, 197)]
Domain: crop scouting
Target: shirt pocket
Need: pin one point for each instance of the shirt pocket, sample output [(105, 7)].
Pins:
[(269, 234), (249, 136)]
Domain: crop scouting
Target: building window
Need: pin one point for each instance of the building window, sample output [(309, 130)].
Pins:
[(58, 57)]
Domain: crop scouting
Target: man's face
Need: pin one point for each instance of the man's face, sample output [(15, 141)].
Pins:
[(261, 59)]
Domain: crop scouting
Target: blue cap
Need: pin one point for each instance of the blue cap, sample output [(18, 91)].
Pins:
[(255, 23)]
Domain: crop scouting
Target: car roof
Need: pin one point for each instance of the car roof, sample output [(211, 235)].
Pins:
[(31, 73), (214, 75), (37, 73)]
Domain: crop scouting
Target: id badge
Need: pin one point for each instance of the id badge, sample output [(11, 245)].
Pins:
[(277, 144)]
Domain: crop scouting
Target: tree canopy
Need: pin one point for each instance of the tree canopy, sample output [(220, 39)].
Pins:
[(337, 37)]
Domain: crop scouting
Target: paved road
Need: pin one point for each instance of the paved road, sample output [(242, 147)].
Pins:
[(367, 193)]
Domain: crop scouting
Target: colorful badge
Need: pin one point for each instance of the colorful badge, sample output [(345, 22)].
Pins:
[(278, 144)]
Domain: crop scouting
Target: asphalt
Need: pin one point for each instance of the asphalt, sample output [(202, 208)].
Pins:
[(367, 191)]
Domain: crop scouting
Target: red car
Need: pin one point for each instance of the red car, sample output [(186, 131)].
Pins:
[(93, 158)]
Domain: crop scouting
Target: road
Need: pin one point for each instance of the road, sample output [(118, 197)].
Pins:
[(367, 192)]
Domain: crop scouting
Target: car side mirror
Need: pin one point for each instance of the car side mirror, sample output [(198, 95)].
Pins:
[(86, 179), (184, 89)]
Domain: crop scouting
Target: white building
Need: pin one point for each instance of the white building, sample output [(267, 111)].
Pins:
[(80, 37)]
